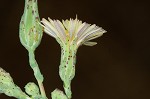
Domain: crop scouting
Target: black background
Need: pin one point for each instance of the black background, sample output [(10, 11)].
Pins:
[(117, 68)]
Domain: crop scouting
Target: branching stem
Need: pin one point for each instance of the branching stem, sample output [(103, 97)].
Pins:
[(37, 73)]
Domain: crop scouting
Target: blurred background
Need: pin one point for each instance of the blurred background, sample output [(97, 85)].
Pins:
[(118, 67)]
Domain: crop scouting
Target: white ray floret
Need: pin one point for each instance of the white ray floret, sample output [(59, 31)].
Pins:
[(68, 30)]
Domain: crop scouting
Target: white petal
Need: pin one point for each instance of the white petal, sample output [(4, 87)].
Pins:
[(66, 23), (81, 39), (90, 43), (60, 30), (95, 35), (92, 27), (48, 31), (70, 28), (80, 26), (51, 21), (49, 26), (82, 30)]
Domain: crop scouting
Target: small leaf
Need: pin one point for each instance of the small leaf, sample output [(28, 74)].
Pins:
[(8, 87)]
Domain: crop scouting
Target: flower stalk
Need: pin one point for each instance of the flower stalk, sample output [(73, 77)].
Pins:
[(37, 73), (30, 36)]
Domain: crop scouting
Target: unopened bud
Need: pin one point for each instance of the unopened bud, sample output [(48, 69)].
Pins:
[(30, 30)]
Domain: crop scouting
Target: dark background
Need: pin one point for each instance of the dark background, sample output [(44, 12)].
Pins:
[(117, 68)]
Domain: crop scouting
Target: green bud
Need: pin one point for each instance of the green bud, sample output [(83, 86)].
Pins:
[(30, 30), (58, 94), (32, 89)]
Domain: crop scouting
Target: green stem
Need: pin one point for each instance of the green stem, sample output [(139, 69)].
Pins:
[(37, 73)]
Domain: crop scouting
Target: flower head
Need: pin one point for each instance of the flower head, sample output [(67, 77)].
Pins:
[(70, 34), (72, 31)]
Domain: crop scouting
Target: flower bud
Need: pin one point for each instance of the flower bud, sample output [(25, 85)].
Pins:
[(30, 30), (58, 94), (32, 89)]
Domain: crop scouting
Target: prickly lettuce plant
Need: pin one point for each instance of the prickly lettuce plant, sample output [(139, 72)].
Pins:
[(70, 34)]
